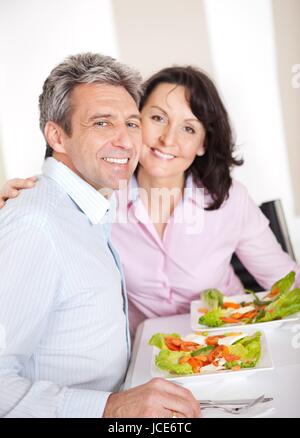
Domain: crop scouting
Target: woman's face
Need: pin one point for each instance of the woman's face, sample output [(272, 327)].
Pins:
[(172, 134)]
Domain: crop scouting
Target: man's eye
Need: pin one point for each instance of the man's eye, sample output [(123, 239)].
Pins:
[(101, 123), (133, 125)]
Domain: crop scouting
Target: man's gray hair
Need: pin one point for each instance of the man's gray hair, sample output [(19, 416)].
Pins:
[(84, 68)]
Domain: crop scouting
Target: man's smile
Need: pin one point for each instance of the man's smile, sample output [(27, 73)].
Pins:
[(116, 160)]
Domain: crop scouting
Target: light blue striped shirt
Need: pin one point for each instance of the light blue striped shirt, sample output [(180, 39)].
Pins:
[(63, 315)]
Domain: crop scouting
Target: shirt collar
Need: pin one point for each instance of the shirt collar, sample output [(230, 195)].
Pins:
[(89, 200)]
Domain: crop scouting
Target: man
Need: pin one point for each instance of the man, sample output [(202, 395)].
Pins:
[(63, 307)]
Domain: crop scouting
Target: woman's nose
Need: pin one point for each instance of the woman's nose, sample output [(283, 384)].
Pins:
[(168, 137)]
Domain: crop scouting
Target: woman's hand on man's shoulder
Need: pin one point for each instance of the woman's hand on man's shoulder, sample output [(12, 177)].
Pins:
[(12, 188)]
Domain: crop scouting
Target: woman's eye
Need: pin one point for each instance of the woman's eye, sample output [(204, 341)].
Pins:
[(189, 130), (157, 118)]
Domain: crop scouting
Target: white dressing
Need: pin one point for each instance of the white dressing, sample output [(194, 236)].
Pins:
[(229, 340), (242, 310), (193, 337), (210, 368)]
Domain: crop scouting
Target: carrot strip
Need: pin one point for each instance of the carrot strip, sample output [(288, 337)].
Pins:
[(171, 346), (184, 359), (189, 346), (202, 310), (250, 314), (201, 357), (213, 340), (237, 315), (231, 357), (217, 352), (176, 341), (273, 292), (231, 305), (236, 368), (195, 365), (229, 320)]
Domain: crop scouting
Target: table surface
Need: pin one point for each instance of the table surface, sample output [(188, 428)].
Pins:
[(282, 382)]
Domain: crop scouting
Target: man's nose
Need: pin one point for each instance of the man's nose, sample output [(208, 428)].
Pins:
[(122, 138)]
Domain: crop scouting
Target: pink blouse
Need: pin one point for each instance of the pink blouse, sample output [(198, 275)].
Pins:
[(163, 276)]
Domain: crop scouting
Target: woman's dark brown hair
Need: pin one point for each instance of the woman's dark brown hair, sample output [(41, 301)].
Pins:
[(213, 168)]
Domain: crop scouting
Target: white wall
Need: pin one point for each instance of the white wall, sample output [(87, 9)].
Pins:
[(2, 173), (35, 35), (153, 34), (242, 38), (287, 30)]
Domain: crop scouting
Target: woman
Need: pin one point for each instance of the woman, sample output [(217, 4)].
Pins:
[(170, 247)]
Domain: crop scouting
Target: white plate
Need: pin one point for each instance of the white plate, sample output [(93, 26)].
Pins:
[(195, 315), (265, 363)]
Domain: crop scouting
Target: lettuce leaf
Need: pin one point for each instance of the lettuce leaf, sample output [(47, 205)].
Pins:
[(282, 286), (248, 349), (213, 298), (287, 304), (212, 318), (285, 283), (168, 360), (158, 339)]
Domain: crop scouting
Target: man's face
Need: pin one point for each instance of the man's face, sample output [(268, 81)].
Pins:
[(106, 135)]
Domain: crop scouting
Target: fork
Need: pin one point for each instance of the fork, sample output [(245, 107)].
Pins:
[(235, 410)]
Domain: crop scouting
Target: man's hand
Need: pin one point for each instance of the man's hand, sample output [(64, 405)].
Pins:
[(155, 399), (13, 186)]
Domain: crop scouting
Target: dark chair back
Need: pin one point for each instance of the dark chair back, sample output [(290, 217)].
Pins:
[(274, 212)]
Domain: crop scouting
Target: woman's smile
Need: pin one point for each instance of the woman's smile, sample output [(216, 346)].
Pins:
[(162, 155)]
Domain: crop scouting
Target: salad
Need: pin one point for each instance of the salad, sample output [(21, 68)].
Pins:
[(282, 300), (199, 353)]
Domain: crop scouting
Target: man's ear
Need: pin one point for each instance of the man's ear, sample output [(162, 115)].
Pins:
[(55, 138)]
